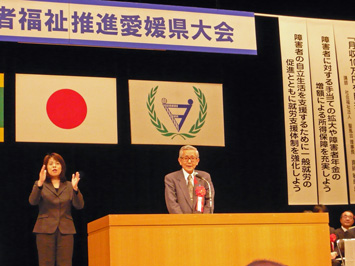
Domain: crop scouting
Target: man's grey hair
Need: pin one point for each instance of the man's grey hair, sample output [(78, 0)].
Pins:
[(188, 147)]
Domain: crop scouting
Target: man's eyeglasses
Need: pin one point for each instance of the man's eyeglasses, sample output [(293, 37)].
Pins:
[(186, 159), (348, 216)]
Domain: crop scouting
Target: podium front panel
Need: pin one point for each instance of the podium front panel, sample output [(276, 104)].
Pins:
[(209, 240)]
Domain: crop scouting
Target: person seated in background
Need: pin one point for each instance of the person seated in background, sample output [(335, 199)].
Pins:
[(343, 232), (320, 208), (346, 221)]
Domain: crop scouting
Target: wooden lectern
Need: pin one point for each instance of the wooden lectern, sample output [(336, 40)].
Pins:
[(293, 239)]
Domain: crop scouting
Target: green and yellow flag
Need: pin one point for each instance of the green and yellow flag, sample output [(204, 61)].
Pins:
[(1, 107)]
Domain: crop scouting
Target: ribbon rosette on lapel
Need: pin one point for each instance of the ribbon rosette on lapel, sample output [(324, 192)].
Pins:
[(200, 193), (333, 237)]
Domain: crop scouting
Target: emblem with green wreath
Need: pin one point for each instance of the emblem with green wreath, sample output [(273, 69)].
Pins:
[(161, 127)]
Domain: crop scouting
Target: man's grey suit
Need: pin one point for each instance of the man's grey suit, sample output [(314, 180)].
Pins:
[(177, 196)]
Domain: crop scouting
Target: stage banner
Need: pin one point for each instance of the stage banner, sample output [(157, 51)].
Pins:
[(1, 107), (299, 131), (331, 167), (345, 46), (128, 25), (65, 109), (176, 113)]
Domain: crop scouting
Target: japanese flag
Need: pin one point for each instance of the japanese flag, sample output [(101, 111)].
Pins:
[(66, 109)]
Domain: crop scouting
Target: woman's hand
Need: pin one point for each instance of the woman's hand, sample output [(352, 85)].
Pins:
[(75, 180), (42, 176)]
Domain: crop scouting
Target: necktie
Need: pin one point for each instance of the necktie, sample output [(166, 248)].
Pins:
[(190, 186)]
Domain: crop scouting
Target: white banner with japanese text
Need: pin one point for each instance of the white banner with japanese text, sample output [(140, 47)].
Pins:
[(176, 113), (312, 42), (345, 46), (330, 150), (300, 149), (128, 25)]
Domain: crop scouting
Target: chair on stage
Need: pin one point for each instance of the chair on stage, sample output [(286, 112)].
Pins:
[(346, 251)]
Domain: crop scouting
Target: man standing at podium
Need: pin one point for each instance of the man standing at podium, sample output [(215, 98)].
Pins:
[(189, 190)]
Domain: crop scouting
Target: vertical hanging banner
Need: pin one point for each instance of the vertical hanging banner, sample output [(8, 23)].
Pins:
[(1, 107), (300, 149), (332, 183), (176, 113), (65, 109), (345, 46)]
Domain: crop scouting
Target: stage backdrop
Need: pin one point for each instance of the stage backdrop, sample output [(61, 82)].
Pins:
[(249, 173)]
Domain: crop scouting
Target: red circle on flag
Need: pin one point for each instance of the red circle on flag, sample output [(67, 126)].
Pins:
[(66, 108)]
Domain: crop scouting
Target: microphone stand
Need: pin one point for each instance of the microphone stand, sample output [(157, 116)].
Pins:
[(209, 190), (340, 242)]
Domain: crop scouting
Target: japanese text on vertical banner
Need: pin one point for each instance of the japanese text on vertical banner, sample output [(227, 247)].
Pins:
[(298, 113), (331, 164), (327, 119), (350, 130), (301, 169), (345, 42)]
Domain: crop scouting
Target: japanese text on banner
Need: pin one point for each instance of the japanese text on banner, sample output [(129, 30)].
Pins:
[(301, 166), (331, 168), (130, 25)]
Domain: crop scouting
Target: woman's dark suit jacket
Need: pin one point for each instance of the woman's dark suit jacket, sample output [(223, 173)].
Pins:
[(55, 207)]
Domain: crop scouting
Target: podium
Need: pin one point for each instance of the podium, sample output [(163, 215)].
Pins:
[(292, 239)]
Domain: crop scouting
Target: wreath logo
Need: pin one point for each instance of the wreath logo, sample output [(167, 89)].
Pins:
[(195, 128)]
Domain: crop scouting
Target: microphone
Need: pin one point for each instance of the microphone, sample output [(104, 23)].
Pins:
[(209, 190)]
